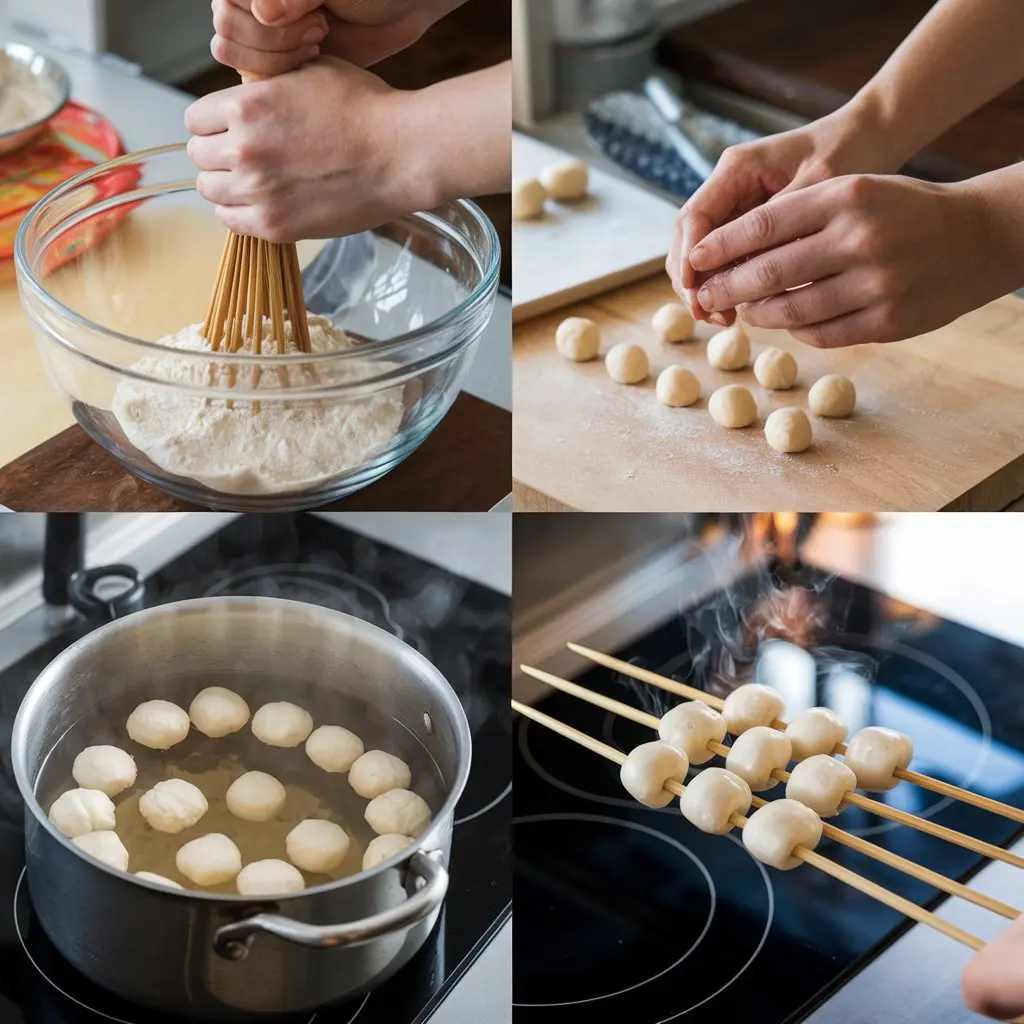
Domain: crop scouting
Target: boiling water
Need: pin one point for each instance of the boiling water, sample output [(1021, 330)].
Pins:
[(213, 764)]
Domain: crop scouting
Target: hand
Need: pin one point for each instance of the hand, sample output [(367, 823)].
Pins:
[(241, 41), (993, 984)]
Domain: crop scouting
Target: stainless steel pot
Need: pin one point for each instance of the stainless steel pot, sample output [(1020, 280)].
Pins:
[(230, 956), (587, 22)]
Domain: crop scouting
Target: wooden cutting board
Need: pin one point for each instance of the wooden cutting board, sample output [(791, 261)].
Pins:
[(619, 234), (939, 424)]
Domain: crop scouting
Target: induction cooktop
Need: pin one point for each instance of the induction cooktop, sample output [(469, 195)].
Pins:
[(626, 913), (462, 627)]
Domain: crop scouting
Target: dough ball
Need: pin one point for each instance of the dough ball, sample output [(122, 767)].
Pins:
[(832, 396), (80, 811), (150, 876), (316, 845), (729, 349), (111, 770), (776, 369), (788, 430), (691, 727), (627, 363), (733, 406), (528, 196), (712, 797), (773, 833), (105, 846), (209, 860), (821, 783), (815, 731), (566, 180), (376, 772), (648, 767), (383, 848), (281, 724), (269, 878), (217, 712), (158, 724), (677, 387), (752, 704), (673, 323), (333, 748), (874, 754), (255, 796), (758, 753), (173, 805), (398, 810), (577, 338)]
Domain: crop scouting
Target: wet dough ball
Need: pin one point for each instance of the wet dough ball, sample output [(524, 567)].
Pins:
[(104, 846), (627, 363), (758, 753), (209, 860), (281, 724), (673, 323), (752, 704), (384, 848), (528, 197), (111, 770), (578, 339), (875, 753), (80, 811), (150, 876), (333, 748), (774, 832), (217, 712), (566, 180), (821, 783), (158, 724), (316, 845), (376, 772), (255, 796), (269, 878), (690, 727), (712, 797), (815, 731), (788, 430), (677, 387), (648, 767), (729, 349), (832, 396), (776, 369), (733, 406), (398, 810), (173, 805)]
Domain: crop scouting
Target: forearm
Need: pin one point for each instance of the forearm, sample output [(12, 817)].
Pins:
[(1000, 195)]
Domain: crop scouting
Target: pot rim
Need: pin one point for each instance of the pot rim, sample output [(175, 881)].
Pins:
[(427, 841)]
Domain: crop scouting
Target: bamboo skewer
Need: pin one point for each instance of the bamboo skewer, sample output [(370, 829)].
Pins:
[(811, 857), (907, 775)]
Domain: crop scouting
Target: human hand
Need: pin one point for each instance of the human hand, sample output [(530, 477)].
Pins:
[(993, 984), (243, 42)]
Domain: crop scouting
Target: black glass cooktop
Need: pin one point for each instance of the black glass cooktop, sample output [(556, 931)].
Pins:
[(461, 626), (624, 913)]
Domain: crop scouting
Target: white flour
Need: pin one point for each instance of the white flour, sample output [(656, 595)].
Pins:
[(290, 445)]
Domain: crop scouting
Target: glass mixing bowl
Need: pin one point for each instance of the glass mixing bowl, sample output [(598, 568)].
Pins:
[(127, 254)]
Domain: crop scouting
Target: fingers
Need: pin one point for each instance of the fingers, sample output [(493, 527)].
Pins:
[(817, 303), (993, 984), (211, 152), (282, 12), (242, 42), (220, 188), (860, 328), (211, 113)]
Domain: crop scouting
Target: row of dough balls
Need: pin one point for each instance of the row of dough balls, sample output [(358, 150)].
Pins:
[(566, 181)]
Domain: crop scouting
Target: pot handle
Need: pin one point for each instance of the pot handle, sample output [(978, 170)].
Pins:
[(231, 940)]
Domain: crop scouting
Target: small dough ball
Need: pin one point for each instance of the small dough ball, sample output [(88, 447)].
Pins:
[(150, 876), (648, 767), (111, 770), (832, 396), (788, 430), (627, 363), (566, 180), (691, 727), (774, 832), (673, 323), (756, 754), (815, 731), (528, 196), (280, 724), (333, 748), (729, 349), (376, 772), (105, 846), (874, 754), (173, 805), (255, 796), (269, 878), (752, 704), (209, 860), (712, 798), (821, 783), (383, 848), (398, 810), (316, 845), (217, 712), (578, 339), (733, 406), (775, 368), (158, 724), (80, 811), (677, 387)]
